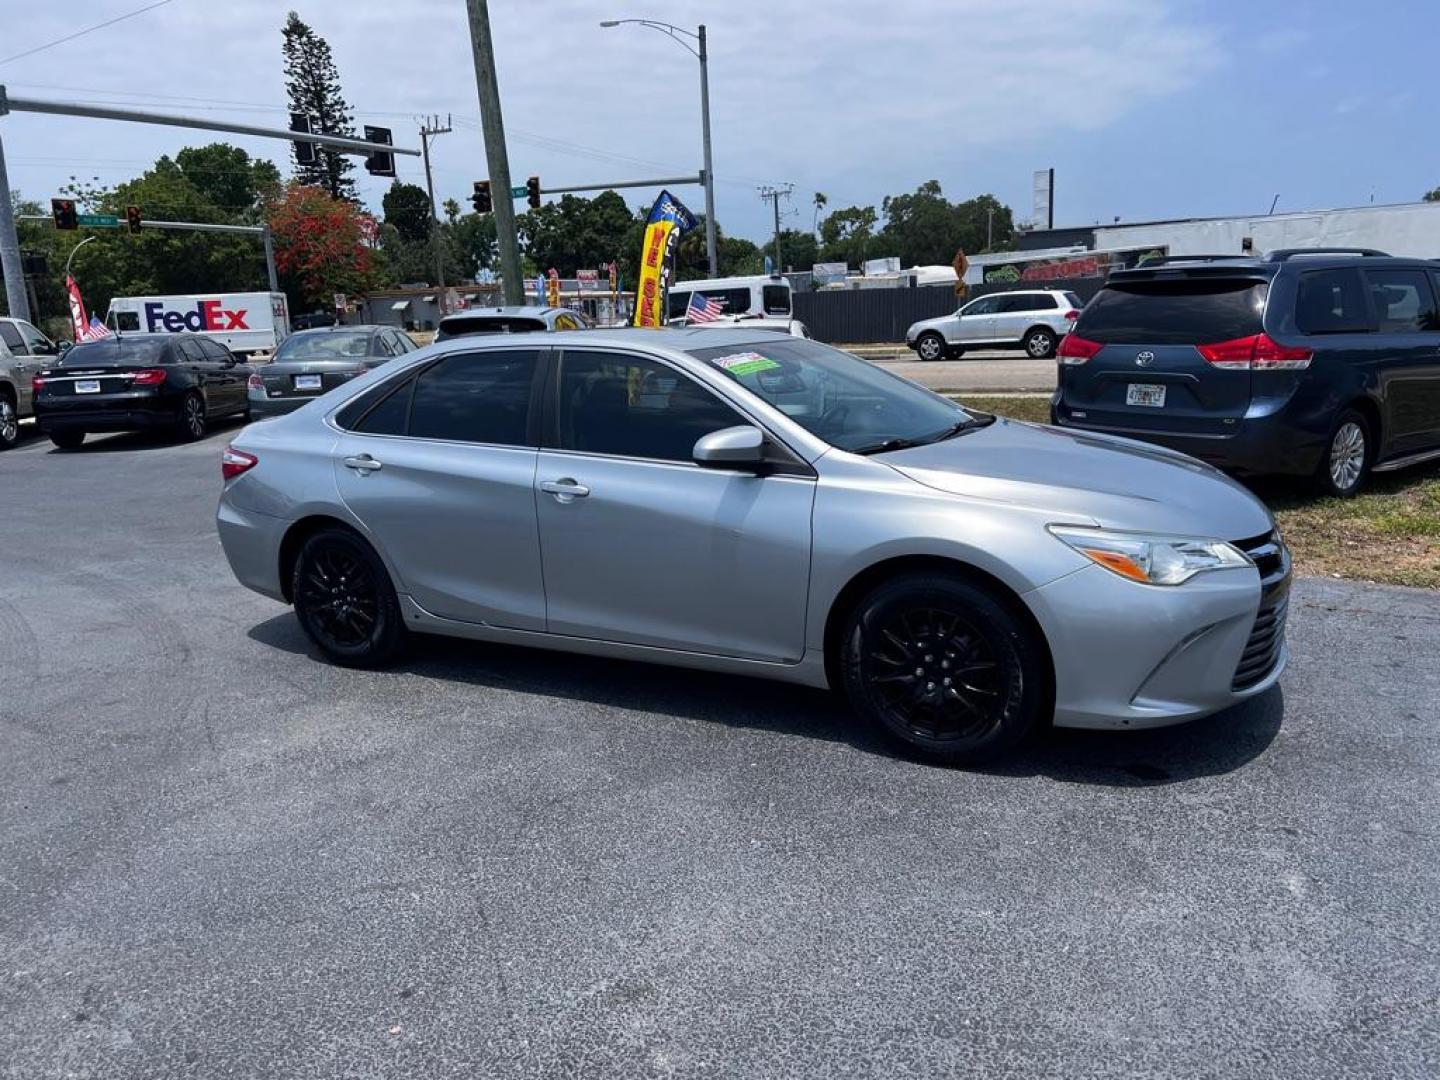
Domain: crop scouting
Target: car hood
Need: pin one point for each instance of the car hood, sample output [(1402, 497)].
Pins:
[(927, 324), (1078, 476)]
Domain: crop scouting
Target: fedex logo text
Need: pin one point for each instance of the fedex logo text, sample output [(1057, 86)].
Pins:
[(206, 315)]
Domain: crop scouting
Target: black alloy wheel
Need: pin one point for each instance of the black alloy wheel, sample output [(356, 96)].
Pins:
[(9, 422), (945, 668), (345, 601)]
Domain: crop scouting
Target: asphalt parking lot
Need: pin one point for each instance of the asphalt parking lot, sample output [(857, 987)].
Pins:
[(222, 857)]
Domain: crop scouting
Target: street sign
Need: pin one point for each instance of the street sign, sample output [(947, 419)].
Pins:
[(519, 192), (99, 221)]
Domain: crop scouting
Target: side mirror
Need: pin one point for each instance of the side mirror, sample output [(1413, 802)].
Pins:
[(64, 347), (741, 447)]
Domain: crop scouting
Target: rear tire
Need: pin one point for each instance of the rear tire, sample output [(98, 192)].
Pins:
[(346, 602), (9, 422), (1040, 343), (1345, 463), (944, 668), (930, 347), (190, 423), (67, 440)]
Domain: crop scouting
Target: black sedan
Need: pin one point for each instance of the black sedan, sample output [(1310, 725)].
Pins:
[(311, 362), (137, 382)]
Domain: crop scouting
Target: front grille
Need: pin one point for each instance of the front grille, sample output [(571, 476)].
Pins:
[(1267, 636)]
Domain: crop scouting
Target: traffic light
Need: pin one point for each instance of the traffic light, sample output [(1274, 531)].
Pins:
[(304, 151), (379, 163), (63, 211), (132, 218), (532, 192), (481, 199)]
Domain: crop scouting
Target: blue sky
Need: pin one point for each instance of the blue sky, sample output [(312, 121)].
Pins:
[(1145, 108)]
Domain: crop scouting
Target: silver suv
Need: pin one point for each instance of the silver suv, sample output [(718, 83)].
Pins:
[(759, 504), (1034, 320), (23, 352)]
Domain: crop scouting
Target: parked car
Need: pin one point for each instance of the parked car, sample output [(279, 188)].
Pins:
[(770, 324), (509, 320), (763, 505), (1322, 363), (24, 351), (764, 295), (311, 362), (1033, 320), (137, 382)]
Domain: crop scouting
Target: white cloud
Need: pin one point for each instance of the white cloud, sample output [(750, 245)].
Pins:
[(856, 99)]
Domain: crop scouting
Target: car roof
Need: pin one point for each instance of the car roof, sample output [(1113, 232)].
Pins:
[(358, 328), (512, 311), (1268, 265)]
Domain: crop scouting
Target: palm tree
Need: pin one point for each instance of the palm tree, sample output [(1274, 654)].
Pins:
[(820, 200)]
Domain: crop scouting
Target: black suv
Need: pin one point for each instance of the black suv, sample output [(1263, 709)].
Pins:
[(1317, 362)]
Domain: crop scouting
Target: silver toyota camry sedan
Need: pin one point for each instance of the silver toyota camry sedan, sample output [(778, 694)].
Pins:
[(764, 505)]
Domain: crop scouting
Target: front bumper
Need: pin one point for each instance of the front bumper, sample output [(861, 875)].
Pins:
[(1128, 655)]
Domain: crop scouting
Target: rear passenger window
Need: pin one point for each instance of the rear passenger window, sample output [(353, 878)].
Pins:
[(1403, 301), (1039, 302), (1331, 302), (381, 410), (481, 397)]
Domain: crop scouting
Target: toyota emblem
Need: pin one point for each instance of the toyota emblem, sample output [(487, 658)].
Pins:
[(1144, 359)]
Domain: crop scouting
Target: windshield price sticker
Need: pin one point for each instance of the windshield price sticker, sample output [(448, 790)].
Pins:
[(745, 363)]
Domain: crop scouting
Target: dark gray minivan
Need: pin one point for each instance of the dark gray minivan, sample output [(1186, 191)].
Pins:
[(1322, 363)]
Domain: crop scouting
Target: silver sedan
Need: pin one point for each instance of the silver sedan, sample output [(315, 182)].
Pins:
[(763, 505)]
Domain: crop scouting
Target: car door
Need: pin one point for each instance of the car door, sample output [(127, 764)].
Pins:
[(187, 353), (976, 320), (645, 547), (1014, 313), (229, 374), (21, 363), (1408, 333), (439, 467)]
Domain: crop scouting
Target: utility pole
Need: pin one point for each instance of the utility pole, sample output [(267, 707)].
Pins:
[(14, 271), (493, 128), (775, 194), (430, 128), (989, 228), (710, 249)]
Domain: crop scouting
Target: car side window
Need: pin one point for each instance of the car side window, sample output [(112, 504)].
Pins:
[(189, 351), (401, 343), (12, 339), (986, 305), (1331, 302), (1040, 302), (380, 345), (630, 406), (1435, 288), (37, 342), (480, 397), (1404, 302), (214, 351)]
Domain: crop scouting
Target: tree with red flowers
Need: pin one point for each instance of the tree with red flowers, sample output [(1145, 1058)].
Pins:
[(323, 245)]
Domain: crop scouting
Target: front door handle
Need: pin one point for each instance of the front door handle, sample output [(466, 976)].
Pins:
[(565, 489), (362, 464)]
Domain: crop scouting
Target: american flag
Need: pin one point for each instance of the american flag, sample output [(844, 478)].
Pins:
[(703, 309), (96, 330)]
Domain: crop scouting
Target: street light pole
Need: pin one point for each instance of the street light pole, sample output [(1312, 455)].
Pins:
[(702, 54)]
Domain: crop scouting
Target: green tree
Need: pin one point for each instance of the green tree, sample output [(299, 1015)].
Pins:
[(407, 209), (576, 233), (235, 183), (313, 85), (848, 235), (470, 241), (1433, 195), (798, 250), (820, 201)]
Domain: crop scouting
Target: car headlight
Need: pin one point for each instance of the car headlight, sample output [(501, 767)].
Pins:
[(1151, 560)]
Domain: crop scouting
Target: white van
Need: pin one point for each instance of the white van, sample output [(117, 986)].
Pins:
[(763, 294), (243, 322)]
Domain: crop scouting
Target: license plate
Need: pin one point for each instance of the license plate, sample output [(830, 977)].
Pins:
[(307, 382), (1152, 394), (87, 386)]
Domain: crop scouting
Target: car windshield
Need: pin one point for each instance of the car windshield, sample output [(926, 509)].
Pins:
[(323, 346), (487, 324), (849, 403), (115, 350)]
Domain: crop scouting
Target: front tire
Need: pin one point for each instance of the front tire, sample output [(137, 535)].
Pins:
[(190, 423), (930, 347), (345, 601), (67, 440), (1348, 454), (944, 668), (1040, 343), (9, 422)]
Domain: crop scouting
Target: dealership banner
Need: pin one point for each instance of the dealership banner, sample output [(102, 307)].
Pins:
[(1080, 264), (667, 223)]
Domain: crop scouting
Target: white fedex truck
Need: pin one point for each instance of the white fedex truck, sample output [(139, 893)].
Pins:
[(244, 323)]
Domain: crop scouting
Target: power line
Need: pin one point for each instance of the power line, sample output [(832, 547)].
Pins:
[(87, 30)]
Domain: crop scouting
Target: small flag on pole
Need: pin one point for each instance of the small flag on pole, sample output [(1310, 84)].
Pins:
[(703, 309), (96, 330)]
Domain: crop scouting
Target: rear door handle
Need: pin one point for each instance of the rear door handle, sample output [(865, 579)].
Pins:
[(564, 489), (362, 464)]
